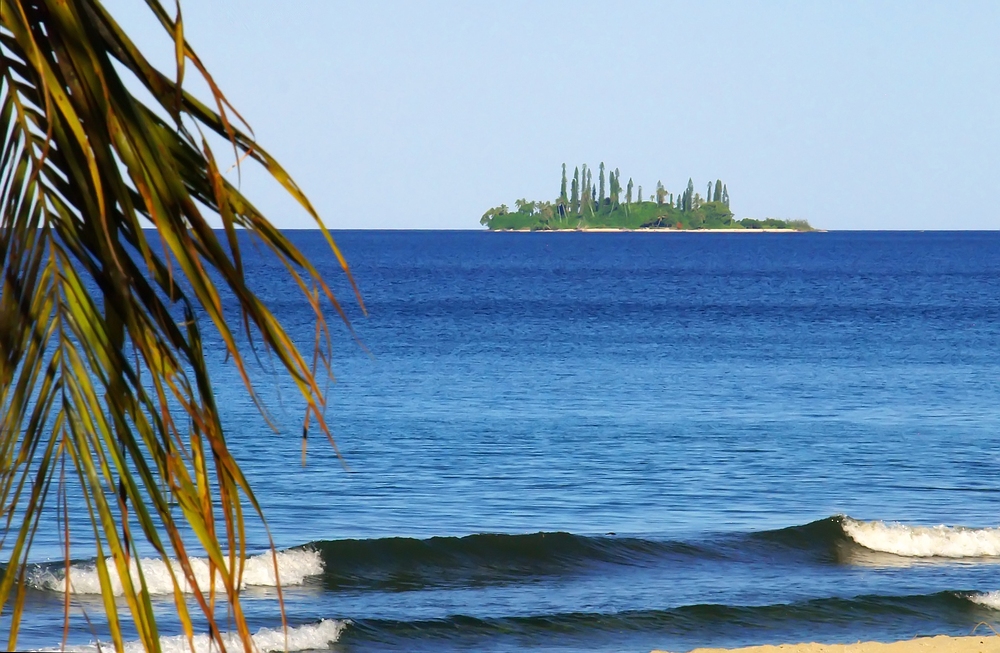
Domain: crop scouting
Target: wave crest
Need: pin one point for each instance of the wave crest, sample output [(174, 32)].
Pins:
[(989, 599), (924, 541), (293, 568)]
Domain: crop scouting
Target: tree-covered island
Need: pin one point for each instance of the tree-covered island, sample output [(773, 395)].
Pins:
[(582, 204)]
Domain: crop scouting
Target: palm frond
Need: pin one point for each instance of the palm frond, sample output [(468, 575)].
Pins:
[(97, 374)]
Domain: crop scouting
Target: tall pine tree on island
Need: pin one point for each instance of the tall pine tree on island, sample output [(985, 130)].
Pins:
[(628, 192), (639, 196), (717, 196), (591, 191), (601, 196), (574, 200), (562, 186), (708, 193)]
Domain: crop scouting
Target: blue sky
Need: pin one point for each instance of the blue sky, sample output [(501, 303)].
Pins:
[(423, 115)]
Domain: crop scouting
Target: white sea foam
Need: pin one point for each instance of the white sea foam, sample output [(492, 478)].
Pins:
[(293, 567), (300, 638), (989, 599), (924, 541)]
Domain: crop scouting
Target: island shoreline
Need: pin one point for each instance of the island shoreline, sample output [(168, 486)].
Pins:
[(656, 231), (588, 206)]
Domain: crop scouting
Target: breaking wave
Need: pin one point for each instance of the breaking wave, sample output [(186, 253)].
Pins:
[(924, 541), (989, 599), (294, 566), (299, 638), (406, 564)]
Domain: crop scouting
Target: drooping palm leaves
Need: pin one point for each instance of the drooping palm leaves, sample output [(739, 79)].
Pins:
[(99, 379)]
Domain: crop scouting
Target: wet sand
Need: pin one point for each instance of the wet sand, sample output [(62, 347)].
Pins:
[(988, 643)]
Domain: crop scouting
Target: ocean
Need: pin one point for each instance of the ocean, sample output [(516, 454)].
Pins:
[(619, 442)]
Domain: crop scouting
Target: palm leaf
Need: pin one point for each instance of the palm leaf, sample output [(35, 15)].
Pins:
[(96, 373)]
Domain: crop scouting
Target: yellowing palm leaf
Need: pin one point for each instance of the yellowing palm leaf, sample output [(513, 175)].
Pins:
[(96, 375)]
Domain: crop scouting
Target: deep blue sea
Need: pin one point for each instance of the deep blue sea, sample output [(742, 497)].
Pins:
[(623, 441)]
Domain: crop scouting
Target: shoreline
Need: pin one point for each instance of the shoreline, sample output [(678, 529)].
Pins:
[(654, 231), (987, 643)]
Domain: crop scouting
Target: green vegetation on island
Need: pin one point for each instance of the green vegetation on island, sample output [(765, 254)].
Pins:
[(609, 205)]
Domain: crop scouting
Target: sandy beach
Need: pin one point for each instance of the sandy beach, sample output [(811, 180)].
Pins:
[(598, 230), (989, 643)]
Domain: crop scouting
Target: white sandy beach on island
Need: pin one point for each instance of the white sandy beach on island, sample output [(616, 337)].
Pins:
[(597, 230), (941, 644)]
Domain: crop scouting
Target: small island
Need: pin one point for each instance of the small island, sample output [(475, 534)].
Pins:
[(610, 206)]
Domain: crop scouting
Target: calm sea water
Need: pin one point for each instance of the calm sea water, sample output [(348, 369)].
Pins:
[(618, 442)]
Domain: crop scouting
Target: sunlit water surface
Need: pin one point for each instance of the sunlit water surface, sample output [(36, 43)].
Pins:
[(615, 442)]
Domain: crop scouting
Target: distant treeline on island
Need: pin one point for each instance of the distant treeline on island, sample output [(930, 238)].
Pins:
[(584, 205)]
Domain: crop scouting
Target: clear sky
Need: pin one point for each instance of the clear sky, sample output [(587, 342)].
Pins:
[(423, 115)]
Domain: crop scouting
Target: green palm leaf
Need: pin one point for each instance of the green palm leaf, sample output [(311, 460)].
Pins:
[(96, 375)]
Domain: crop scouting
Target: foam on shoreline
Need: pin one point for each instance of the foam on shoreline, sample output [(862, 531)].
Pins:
[(299, 638)]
